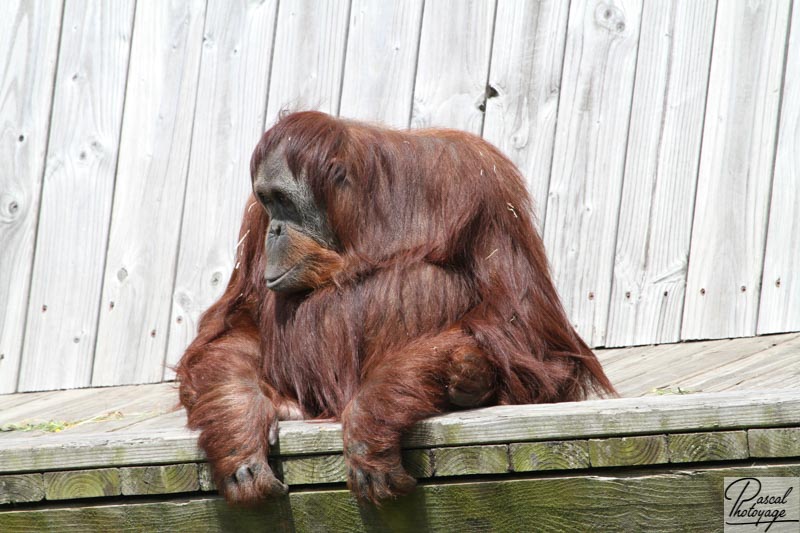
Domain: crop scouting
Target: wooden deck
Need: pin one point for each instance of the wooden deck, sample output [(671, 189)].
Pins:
[(690, 414)]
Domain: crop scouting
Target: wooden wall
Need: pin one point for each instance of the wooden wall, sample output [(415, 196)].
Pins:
[(660, 140)]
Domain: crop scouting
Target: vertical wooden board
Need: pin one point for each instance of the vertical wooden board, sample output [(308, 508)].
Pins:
[(145, 221), (589, 157), (382, 46), (454, 51), (730, 214), (655, 220), (76, 195), (29, 34), (780, 288), (229, 119), (527, 58), (309, 56)]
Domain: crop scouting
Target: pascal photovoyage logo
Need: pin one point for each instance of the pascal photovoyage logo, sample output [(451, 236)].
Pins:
[(762, 504)]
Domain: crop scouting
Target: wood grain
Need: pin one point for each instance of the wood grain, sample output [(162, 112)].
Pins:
[(19, 488), (154, 442), (29, 35), (309, 57), (589, 157), (160, 479), (151, 178), (592, 418), (779, 309), (82, 484), (715, 446), (470, 460), (777, 442), (664, 500), (526, 64), (731, 207), (228, 121), (316, 469), (61, 450), (205, 477), (661, 165), (549, 455), (381, 60), (76, 196), (454, 51), (629, 451), (204, 514)]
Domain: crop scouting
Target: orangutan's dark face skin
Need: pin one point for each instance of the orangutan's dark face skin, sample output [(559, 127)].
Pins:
[(296, 224)]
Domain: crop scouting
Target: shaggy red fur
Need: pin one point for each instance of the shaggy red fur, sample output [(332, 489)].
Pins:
[(438, 266)]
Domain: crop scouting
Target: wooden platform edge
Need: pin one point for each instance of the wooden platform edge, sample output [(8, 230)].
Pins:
[(501, 425), (434, 463), (666, 499)]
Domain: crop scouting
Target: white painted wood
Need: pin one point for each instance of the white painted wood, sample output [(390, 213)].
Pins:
[(730, 215), (655, 220), (527, 59), (76, 196), (780, 289), (145, 222), (589, 157), (229, 120), (308, 63), (454, 51), (29, 33), (382, 45)]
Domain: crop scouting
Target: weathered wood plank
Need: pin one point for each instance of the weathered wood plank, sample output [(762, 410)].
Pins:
[(309, 57), (769, 364), (205, 477), (778, 442), (631, 376), (228, 121), (18, 488), (45, 405), (29, 34), (209, 514), (315, 469), (731, 208), (593, 418), (81, 407), (779, 309), (549, 455), (589, 157), (655, 219), (82, 484), (501, 424), (151, 178), (467, 460), (159, 479), (454, 52), (716, 446), (629, 451), (690, 368), (61, 450), (76, 196), (527, 58), (382, 46), (663, 500), (7, 401)]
